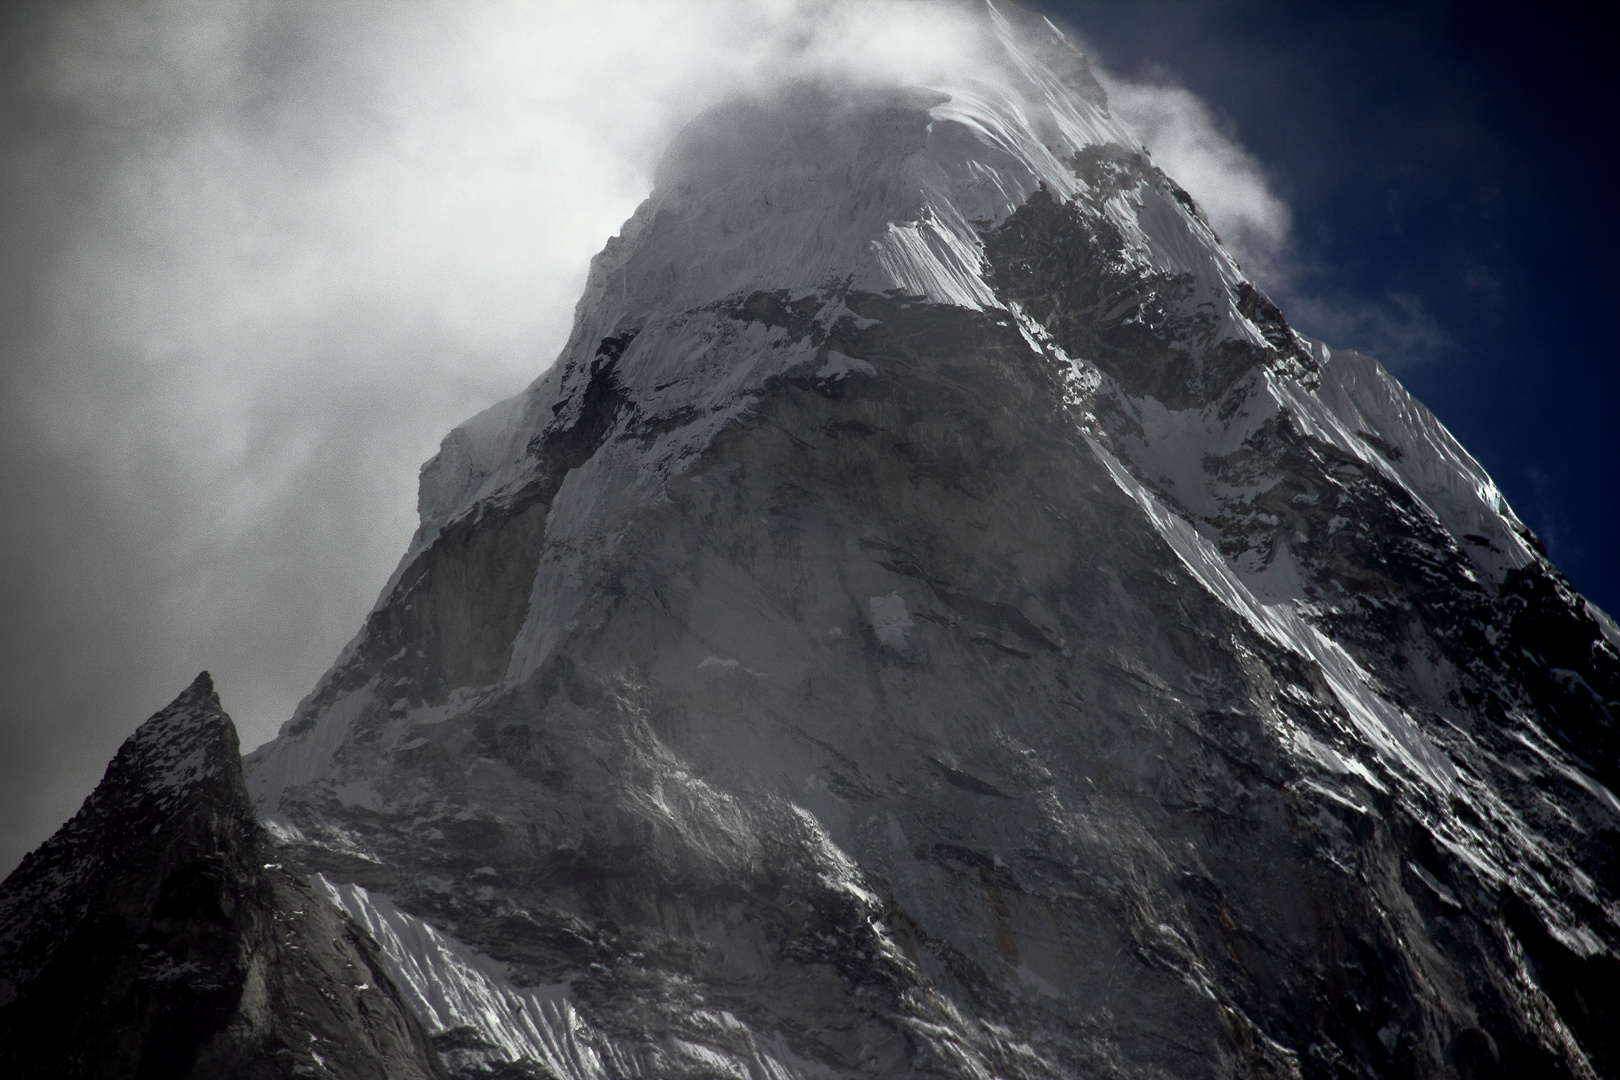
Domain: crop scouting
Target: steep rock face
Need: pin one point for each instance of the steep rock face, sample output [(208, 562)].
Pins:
[(149, 939), (937, 618)]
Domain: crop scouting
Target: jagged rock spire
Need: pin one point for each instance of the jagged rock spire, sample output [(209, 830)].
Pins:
[(149, 937)]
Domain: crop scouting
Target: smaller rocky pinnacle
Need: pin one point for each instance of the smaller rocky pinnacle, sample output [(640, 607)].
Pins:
[(195, 711), (189, 744), (185, 757), (154, 935)]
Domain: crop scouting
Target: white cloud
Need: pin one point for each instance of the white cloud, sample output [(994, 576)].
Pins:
[(323, 234), (1237, 193), (285, 247), (1189, 143), (1398, 329)]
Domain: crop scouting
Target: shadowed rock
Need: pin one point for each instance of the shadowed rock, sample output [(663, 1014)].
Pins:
[(148, 938)]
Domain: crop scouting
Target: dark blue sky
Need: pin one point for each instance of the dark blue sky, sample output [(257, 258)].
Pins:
[(1451, 172)]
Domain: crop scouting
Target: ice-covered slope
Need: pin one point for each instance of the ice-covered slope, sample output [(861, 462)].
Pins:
[(936, 617)]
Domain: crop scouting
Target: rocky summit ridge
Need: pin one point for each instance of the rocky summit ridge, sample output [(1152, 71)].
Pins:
[(936, 618)]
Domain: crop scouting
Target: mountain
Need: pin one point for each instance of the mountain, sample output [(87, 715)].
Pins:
[(937, 618)]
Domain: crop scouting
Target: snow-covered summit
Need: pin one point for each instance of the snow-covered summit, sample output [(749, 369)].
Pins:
[(813, 191), (932, 575)]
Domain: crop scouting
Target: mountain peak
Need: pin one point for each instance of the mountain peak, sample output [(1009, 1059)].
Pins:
[(771, 209), (149, 936), (188, 743), (183, 761)]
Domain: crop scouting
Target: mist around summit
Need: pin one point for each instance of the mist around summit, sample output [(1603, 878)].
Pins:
[(263, 260)]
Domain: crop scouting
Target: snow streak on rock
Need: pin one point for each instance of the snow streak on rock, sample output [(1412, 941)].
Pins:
[(479, 1016)]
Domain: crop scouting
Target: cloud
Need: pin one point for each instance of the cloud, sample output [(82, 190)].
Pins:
[(1202, 153), (258, 258), (1397, 329), (1188, 141)]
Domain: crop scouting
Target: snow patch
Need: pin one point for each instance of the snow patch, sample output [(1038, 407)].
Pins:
[(449, 986), (890, 620), (1446, 896), (838, 365), (716, 665)]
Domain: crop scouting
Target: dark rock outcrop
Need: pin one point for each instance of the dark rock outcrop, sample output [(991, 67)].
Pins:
[(149, 937)]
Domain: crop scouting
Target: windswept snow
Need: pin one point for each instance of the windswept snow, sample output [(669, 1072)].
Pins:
[(1385, 727), (450, 987)]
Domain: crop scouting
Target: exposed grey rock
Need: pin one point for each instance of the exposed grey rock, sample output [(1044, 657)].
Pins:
[(1050, 829), (1066, 671)]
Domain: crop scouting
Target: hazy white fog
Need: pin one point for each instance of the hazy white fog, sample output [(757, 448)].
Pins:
[(262, 256)]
